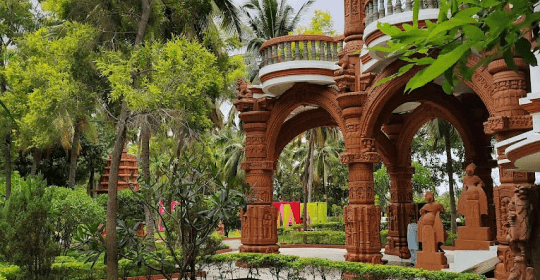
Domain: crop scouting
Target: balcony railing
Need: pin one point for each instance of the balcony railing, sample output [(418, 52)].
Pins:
[(378, 9), (300, 47)]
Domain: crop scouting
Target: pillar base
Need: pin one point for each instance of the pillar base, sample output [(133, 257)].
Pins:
[(431, 261), (374, 258), (473, 238), (266, 249), (397, 246)]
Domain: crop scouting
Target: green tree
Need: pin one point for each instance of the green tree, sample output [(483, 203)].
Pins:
[(269, 19), (321, 23), (48, 73), (15, 18), (441, 130), (27, 237)]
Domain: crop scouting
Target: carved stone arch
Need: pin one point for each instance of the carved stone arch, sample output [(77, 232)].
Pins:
[(424, 113), (379, 96), (300, 94), (300, 123)]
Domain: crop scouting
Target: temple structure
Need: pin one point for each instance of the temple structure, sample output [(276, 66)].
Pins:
[(310, 81), (127, 174)]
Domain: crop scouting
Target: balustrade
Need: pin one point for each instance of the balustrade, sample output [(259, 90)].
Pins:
[(378, 9), (300, 47)]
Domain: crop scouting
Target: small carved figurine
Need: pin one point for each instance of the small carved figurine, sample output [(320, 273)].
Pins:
[(221, 229), (346, 66), (243, 90)]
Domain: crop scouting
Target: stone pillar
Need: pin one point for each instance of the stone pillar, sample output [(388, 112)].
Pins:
[(362, 217), (401, 211), (509, 119), (259, 228), (354, 24)]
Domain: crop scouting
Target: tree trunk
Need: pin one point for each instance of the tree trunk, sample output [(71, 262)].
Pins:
[(7, 164), (91, 177), (35, 163), (112, 204), (145, 164), (308, 181), (450, 171), (74, 153), (311, 166)]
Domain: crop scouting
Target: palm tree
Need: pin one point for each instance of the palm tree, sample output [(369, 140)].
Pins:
[(439, 130), (229, 141), (269, 19)]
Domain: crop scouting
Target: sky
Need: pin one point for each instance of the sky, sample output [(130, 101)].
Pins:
[(334, 7)]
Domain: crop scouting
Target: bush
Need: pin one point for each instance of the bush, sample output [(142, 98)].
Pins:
[(10, 272), (27, 238), (72, 208), (313, 237), (336, 226), (130, 205), (294, 265), (68, 268), (384, 234)]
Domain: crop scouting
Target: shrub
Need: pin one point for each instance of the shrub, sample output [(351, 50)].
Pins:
[(337, 226), (72, 208), (27, 238), (384, 234), (130, 205), (313, 237), (10, 272), (294, 265)]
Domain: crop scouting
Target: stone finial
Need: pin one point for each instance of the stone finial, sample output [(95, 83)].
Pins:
[(243, 90)]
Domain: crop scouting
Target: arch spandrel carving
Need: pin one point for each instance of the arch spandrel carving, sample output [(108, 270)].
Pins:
[(423, 114), (301, 94), (379, 96)]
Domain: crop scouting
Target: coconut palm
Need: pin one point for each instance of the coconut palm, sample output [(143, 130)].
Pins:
[(269, 19), (440, 130)]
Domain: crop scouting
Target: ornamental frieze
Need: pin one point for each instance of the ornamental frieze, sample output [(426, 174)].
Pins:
[(265, 165), (371, 157), (504, 123)]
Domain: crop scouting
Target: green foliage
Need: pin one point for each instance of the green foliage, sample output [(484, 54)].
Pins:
[(27, 238), (10, 272), (174, 75), (336, 226), (321, 23), (294, 265), (313, 237), (70, 209), (463, 28), (46, 78), (130, 205), (384, 234)]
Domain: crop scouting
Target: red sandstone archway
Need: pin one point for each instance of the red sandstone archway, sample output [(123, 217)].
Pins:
[(279, 132)]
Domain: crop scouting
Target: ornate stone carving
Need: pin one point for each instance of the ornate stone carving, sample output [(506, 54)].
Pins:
[(362, 233), (259, 229), (361, 192), (431, 234), (399, 216), (473, 204), (265, 165), (347, 158), (504, 123), (518, 233), (243, 90)]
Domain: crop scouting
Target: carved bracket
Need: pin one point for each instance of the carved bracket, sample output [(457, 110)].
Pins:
[(505, 123)]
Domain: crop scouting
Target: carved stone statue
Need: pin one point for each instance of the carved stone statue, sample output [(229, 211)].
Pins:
[(431, 234), (221, 229), (243, 90), (473, 204)]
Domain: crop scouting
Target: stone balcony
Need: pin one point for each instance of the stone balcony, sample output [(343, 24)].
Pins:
[(395, 12), (298, 58)]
